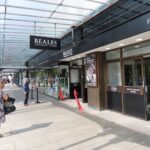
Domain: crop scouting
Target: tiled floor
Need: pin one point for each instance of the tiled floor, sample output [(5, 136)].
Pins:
[(53, 125)]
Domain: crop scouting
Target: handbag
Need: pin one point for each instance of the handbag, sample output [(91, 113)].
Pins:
[(9, 107), (11, 100)]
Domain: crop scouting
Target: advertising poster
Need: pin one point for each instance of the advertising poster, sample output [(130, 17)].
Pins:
[(91, 76)]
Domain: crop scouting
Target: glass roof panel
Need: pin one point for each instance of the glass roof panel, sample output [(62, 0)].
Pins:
[(1, 25), (32, 4), (63, 26), (19, 27), (52, 18), (1, 22), (66, 16), (50, 1), (85, 4), (102, 1), (44, 25), (19, 31), (22, 11), (2, 9), (2, 2), (1, 30), (1, 16), (21, 17), (51, 29), (61, 21), (70, 10), (13, 22)]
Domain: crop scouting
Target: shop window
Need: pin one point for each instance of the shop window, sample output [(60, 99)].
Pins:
[(132, 73), (114, 74), (138, 49), (113, 55)]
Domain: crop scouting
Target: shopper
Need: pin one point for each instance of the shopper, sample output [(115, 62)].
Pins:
[(26, 90), (2, 112)]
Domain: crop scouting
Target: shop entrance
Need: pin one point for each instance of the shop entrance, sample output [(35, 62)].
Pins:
[(75, 82), (133, 91), (147, 85), (78, 79)]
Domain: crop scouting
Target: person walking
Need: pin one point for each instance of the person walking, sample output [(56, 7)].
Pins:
[(26, 90), (2, 111)]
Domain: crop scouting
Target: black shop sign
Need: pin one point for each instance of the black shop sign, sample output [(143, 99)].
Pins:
[(39, 42)]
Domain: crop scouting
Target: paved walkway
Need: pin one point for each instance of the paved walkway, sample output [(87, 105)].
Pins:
[(53, 125)]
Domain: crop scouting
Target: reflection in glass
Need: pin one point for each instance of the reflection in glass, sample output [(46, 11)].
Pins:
[(114, 74), (135, 50), (113, 55), (133, 73)]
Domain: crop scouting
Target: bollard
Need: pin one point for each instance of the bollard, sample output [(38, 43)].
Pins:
[(32, 93), (37, 95)]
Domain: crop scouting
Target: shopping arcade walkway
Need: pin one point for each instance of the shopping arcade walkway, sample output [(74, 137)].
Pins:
[(52, 125)]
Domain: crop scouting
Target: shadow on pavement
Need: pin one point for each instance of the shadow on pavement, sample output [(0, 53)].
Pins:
[(31, 128)]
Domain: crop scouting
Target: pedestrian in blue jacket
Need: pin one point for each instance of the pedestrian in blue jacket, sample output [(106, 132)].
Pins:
[(26, 90)]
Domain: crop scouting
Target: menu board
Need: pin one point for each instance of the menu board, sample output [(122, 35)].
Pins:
[(91, 76)]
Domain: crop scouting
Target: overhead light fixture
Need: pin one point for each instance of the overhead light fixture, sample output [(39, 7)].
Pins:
[(139, 39), (107, 48), (136, 46), (121, 44)]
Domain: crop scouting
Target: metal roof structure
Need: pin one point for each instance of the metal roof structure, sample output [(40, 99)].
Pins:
[(119, 13), (50, 18)]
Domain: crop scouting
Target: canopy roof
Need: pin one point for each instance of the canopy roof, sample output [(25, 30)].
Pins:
[(51, 18)]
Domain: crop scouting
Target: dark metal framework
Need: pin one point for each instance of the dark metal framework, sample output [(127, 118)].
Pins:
[(117, 14)]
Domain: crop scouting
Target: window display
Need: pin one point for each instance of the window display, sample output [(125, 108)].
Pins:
[(114, 74), (133, 73), (91, 76)]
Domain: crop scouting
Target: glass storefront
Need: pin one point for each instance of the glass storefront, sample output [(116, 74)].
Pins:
[(133, 72), (128, 87), (114, 74), (136, 50)]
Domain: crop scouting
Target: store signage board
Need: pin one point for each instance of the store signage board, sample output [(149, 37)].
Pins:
[(39, 42), (134, 90), (91, 72)]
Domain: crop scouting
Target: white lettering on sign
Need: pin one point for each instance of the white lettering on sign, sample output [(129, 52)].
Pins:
[(129, 89), (67, 53), (41, 42), (113, 89)]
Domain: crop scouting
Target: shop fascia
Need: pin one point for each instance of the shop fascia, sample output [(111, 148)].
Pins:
[(67, 53)]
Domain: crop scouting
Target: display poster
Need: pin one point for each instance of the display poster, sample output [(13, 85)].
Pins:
[(91, 75)]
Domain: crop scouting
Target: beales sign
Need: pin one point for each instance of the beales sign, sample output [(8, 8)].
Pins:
[(39, 42)]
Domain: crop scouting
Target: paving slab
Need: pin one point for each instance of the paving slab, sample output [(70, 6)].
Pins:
[(56, 125)]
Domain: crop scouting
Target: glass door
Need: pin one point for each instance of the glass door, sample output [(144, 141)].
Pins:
[(114, 86), (133, 94), (147, 83)]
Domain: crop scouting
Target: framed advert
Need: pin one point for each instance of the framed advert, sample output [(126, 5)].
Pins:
[(91, 71)]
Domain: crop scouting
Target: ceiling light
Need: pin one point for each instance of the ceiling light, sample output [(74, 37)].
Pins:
[(139, 39), (122, 44), (136, 46), (107, 48)]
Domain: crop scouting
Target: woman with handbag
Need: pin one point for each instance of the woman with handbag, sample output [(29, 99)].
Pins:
[(2, 111)]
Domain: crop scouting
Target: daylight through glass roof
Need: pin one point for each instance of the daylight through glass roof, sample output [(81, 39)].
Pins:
[(53, 18)]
